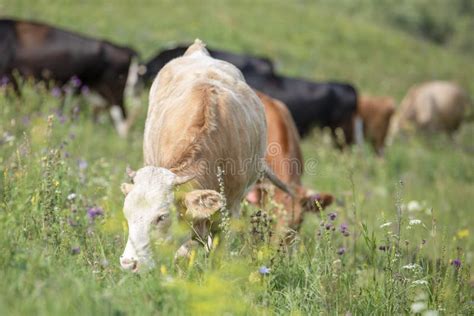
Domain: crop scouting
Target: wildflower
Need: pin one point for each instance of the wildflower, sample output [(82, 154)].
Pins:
[(264, 270), (414, 206), (85, 90), (104, 263), (94, 212), (4, 81), (328, 226), (411, 266), (341, 251), (418, 307), (56, 92), (386, 224), (25, 120), (75, 81), (456, 263), (420, 282), (75, 250), (82, 164), (343, 227), (71, 196), (332, 216), (414, 222), (344, 230), (463, 233)]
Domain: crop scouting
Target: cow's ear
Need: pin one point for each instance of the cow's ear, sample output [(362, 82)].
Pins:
[(314, 202), (201, 204), (126, 188)]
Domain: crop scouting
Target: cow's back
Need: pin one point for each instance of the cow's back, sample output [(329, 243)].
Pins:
[(203, 115), (434, 106), (7, 44)]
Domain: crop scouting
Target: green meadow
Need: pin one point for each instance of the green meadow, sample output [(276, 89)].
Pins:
[(400, 241)]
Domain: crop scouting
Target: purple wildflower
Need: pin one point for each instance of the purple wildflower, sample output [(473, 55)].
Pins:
[(344, 230), (264, 270), (94, 212), (456, 262), (25, 120), (82, 164), (75, 81), (332, 216), (75, 250), (4, 81), (56, 92), (85, 90), (341, 251), (328, 226)]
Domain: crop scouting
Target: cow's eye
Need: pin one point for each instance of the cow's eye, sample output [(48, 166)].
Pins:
[(161, 218)]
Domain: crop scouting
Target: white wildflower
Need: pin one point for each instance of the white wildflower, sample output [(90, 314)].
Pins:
[(420, 282), (386, 224), (414, 206), (414, 222), (71, 196), (418, 307), (411, 266)]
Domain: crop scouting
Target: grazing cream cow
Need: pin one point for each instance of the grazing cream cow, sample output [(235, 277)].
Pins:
[(202, 117), (375, 113), (284, 157), (432, 107)]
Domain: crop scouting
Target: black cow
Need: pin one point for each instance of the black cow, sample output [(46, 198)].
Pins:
[(247, 64), (330, 104), (46, 53), (311, 104)]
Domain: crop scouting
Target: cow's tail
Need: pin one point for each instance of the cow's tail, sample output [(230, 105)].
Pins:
[(268, 173), (132, 90)]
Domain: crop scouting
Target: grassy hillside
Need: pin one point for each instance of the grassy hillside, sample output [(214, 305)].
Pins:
[(56, 259)]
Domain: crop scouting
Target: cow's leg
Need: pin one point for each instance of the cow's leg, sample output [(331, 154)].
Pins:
[(118, 117)]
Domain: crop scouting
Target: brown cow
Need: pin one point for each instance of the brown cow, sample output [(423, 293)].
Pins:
[(375, 113), (433, 106), (284, 157)]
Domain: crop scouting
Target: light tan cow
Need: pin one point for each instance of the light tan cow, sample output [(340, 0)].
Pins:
[(202, 118), (284, 157), (375, 113), (432, 107)]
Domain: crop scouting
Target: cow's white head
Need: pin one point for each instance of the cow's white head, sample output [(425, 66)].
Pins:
[(147, 210)]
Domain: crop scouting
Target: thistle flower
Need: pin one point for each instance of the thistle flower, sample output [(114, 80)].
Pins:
[(56, 92), (456, 263), (94, 212), (332, 216), (75, 81), (344, 230), (85, 90), (341, 251)]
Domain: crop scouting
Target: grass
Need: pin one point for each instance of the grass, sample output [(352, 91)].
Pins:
[(57, 260)]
